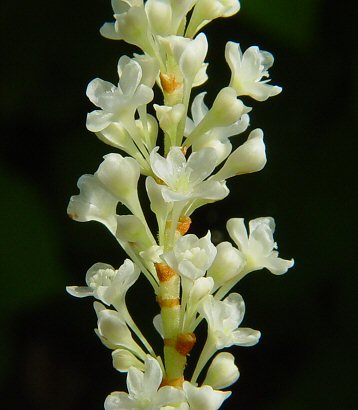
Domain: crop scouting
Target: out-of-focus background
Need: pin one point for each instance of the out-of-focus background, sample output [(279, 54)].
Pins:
[(50, 357)]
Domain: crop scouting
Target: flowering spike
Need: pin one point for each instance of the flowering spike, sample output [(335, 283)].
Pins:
[(183, 153)]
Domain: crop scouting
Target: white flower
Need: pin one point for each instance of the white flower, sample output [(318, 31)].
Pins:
[(228, 263), (216, 137), (247, 158), (224, 318), (120, 176), (169, 118), (160, 14), (94, 203), (124, 359), (152, 254), (131, 229), (222, 371), (115, 181), (131, 24), (259, 246), (191, 256), (204, 397), (248, 69), (148, 65), (118, 104), (226, 110), (107, 284), (144, 391), (208, 10), (188, 55), (184, 179), (197, 291), (114, 332)]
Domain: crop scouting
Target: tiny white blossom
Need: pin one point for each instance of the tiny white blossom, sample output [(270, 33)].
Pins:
[(204, 397), (117, 104), (93, 203), (184, 179), (188, 55), (107, 284), (124, 359), (114, 332), (144, 391), (248, 69), (120, 176), (247, 158), (222, 371), (208, 10), (160, 15), (191, 256), (224, 318), (169, 118), (259, 246), (152, 254), (228, 263), (226, 110), (148, 64), (216, 137), (131, 229), (131, 24)]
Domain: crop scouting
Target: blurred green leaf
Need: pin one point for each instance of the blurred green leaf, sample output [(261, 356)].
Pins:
[(30, 262), (291, 21)]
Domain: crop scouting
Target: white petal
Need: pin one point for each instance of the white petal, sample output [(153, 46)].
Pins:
[(237, 231), (79, 291), (124, 359), (222, 371), (153, 376), (118, 401), (245, 336), (200, 398), (158, 325), (202, 163)]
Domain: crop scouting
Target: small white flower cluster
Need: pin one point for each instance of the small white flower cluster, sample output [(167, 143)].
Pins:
[(185, 160)]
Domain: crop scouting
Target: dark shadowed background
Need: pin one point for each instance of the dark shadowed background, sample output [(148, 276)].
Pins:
[(50, 357)]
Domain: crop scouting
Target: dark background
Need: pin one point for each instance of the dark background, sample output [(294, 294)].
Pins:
[(50, 357)]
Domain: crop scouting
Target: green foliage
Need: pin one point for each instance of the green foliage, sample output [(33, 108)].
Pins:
[(291, 21), (30, 259)]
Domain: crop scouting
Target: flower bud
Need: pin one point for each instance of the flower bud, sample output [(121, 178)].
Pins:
[(120, 176), (160, 16), (228, 263), (193, 56), (226, 110), (200, 288), (222, 371), (94, 203), (249, 157), (131, 229), (124, 359), (169, 117)]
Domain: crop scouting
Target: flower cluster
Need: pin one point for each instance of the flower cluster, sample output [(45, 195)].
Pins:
[(185, 155)]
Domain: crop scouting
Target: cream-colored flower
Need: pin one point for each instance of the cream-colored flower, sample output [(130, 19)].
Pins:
[(248, 69), (258, 247), (117, 104), (224, 318), (185, 180), (144, 391)]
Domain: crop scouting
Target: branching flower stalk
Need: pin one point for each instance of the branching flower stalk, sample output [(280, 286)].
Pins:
[(185, 156)]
